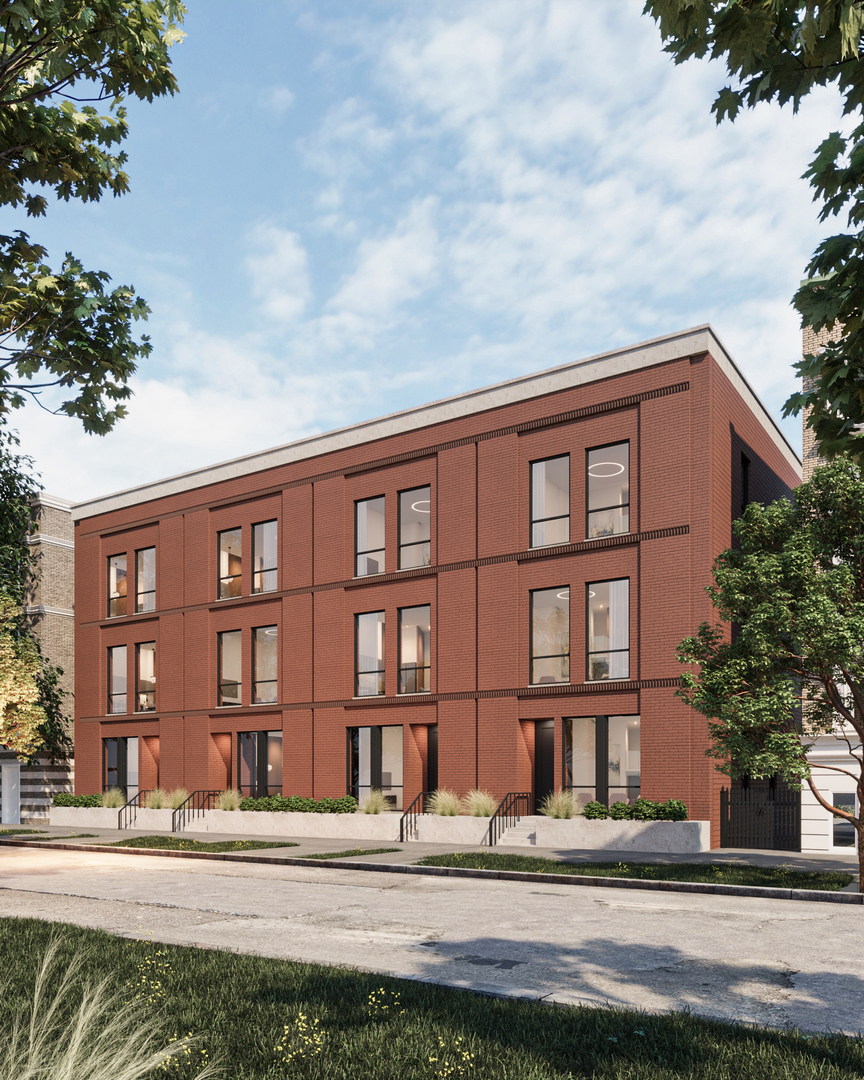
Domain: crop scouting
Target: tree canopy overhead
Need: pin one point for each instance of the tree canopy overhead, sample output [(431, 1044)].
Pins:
[(795, 668), (59, 60), (779, 50)]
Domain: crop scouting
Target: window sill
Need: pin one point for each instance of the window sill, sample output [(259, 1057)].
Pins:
[(414, 693), (536, 684)]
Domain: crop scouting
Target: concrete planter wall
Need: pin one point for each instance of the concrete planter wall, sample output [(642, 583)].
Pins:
[(681, 837), (320, 826), (432, 829), (85, 817)]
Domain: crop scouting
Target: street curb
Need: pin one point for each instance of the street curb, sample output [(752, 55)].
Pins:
[(812, 895)]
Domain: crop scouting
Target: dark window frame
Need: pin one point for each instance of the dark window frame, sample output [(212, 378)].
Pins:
[(138, 691), (415, 669), (111, 695), (118, 598), (601, 757), (145, 592), (616, 506), (264, 682), (375, 671), (550, 656), (400, 547), (557, 517), (369, 551), (267, 569), (605, 652), (228, 577), (220, 682)]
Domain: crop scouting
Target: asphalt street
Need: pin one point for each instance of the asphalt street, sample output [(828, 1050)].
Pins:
[(751, 959)]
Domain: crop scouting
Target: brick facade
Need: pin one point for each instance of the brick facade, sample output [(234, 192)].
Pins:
[(691, 422)]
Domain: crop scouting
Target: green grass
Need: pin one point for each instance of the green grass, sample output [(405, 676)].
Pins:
[(349, 854), (775, 877), (174, 843), (373, 1026), (19, 832)]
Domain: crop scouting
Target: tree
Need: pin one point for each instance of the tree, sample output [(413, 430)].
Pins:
[(19, 646), (20, 712), (777, 50), (794, 668), (67, 328)]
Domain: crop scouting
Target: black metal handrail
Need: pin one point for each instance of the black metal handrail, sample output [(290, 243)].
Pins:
[(194, 806), (514, 805), (127, 814), (408, 821)]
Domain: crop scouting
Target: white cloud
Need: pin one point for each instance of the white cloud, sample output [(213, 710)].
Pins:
[(276, 99), (277, 267)]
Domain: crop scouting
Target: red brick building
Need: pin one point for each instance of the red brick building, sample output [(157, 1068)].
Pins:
[(482, 592)]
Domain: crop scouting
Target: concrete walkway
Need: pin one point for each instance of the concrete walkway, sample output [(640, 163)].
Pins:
[(738, 957)]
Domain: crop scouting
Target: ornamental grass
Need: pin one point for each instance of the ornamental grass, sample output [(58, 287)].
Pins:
[(444, 802), (479, 803)]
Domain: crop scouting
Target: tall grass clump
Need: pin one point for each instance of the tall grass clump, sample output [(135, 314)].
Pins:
[(114, 798), (443, 802), (157, 799), (104, 1037), (559, 804), (374, 802), (228, 800), (174, 799), (479, 803)]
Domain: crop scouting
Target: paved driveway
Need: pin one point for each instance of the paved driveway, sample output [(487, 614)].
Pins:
[(770, 962)]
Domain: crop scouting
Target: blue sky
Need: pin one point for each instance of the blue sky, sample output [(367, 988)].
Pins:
[(353, 208)]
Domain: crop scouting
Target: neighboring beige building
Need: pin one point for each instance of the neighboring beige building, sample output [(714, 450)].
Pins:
[(50, 610), (819, 833)]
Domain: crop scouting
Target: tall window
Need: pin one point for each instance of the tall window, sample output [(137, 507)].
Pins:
[(116, 586), (145, 677), (415, 650), (230, 564), (259, 763), (603, 758), (415, 517), (117, 679), (230, 668), (264, 557), (369, 667), (550, 635), (120, 765), (608, 487), (266, 653), (145, 579), (608, 636), (550, 501), (375, 763), (369, 537)]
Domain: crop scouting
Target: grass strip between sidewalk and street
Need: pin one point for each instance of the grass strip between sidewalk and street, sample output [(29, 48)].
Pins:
[(774, 877), (263, 1019), (175, 843), (350, 854)]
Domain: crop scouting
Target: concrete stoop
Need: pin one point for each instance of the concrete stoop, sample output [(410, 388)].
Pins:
[(519, 836)]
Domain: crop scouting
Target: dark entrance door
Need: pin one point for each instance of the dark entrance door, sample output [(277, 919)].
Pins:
[(544, 760), (432, 758)]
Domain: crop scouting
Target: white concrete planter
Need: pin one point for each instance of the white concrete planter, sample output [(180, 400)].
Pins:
[(320, 826), (160, 820), (679, 837), (433, 829), (84, 817)]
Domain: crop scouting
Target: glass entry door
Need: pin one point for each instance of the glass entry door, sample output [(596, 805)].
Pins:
[(259, 763), (375, 762), (120, 765)]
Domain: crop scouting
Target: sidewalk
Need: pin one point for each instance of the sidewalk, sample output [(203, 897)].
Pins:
[(412, 851)]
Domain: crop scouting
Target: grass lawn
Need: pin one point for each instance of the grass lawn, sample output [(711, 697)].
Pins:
[(776, 877), (19, 832), (371, 1026), (175, 843), (350, 853)]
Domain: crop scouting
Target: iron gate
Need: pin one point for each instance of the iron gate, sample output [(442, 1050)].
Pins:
[(760, 817)]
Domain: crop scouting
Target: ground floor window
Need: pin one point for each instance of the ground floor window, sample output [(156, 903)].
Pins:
[(120, 765), (375, 761), (843, 831), (259, 763), (602, 758)]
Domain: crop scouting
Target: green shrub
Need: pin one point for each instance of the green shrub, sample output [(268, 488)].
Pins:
[(479, 803), (645, 810), (374, 802), (157, 799), (65, 798), (595, 810), (672, 810), (621, 811), (559, 804), (229, 800), (443, 802), (114, 798), (297, 804)]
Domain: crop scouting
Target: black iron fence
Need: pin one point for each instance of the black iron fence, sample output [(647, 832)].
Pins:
[(760, 817)]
